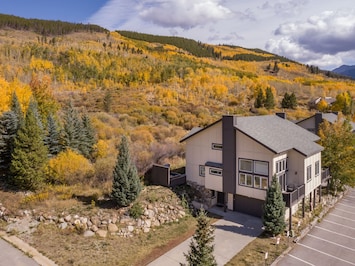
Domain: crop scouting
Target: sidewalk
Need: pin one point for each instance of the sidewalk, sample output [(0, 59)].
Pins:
[(232, 233)]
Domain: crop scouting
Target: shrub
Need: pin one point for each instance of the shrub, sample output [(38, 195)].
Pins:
[(69, 168)]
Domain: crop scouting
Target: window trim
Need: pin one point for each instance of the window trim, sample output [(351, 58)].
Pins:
[(246, 178), (202, 170), (261, 178), (245, 174), (259, 173)]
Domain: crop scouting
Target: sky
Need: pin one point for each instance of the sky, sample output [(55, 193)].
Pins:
[(314, 32)]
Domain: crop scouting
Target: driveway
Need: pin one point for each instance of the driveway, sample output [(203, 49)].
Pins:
[(331, 242), (232, 233), (14, 257)]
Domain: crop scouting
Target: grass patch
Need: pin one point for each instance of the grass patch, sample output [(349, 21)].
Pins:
[(66, 248), (254, 252)]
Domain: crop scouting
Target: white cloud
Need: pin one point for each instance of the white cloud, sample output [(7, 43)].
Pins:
[(320, 40), (185, 14)]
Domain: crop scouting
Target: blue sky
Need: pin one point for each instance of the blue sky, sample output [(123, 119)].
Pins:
[(313, 32)]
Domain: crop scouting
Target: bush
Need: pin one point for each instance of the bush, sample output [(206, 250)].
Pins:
[(69, 168), (136, 210)]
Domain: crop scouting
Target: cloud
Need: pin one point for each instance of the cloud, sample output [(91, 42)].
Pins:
[(291, 7), (185, 14), (114, 13), (320, 39)]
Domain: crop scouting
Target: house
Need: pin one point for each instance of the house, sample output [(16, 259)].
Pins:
[(312, 123), (235, 158), (312, 104)]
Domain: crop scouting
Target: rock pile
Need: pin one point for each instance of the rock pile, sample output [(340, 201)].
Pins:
[(103, 223)]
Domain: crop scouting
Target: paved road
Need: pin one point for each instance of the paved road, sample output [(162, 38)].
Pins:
[(331, 242), (232, 234), (12, 256)]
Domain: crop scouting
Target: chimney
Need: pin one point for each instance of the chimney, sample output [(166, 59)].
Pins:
[(229, 142), (281, 114)]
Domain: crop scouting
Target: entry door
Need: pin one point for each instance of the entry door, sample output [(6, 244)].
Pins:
[(282, 181), (220, 199)]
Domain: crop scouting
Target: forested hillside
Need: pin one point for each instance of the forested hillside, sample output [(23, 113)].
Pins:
[(151, 88)]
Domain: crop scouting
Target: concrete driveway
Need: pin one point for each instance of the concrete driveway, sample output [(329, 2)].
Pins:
[(12, 256), (331, 242), (232, 234)]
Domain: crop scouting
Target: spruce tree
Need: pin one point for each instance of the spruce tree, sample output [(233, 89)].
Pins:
[(286, 101), (126, 185), (8, 130), (259, 99), (52, 137), (274, 209), (30, 154), (15, 106), (72, 128), (201, 246), (269, 102), (87, 136)]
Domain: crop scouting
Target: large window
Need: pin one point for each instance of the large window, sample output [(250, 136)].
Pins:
[(309, 172), (253, 173), (246, 165)]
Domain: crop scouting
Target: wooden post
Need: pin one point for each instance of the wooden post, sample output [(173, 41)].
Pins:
[(314, 198), (310, 201), (290, 214), (320, 193), (303, 207)]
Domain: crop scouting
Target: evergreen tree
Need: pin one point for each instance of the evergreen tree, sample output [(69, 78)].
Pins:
[(8, 130), (15, 106), (52, 137), (201, 246), (269, 102), (259, 99), (293, 101), (274, 209), (126, 185), (87, 136), (72, 128), (30, 154), (289, 101)]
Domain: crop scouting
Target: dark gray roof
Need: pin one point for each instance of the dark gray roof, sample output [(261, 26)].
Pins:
[(278, 135), (213, 164)]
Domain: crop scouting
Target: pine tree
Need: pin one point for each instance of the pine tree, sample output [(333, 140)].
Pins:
[(87, 136), (269, 102), (126, 185), (8, 130), (201, 246), (285, 103), (274, 209), (293, 101), (30, 154), (52, 137), (15, 106), (259, 99), (72, 128)]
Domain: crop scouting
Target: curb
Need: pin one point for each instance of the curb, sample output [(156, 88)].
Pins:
[(27, 249), (305, 231)]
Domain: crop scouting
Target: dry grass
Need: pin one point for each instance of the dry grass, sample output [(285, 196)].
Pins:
[(70, 248), (254, 252)]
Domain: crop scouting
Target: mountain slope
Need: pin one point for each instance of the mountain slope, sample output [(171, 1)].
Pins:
[(346, 71)]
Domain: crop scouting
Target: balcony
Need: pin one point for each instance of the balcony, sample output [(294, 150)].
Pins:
[(293, 195), (325, 175)]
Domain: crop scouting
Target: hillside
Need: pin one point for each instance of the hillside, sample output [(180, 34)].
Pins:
[(153, 88), (346, 71)]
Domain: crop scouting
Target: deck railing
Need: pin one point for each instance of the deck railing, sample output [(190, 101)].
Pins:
[(291, 197)]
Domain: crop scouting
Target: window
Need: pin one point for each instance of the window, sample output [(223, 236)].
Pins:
[(309, 173), (281, 165), (217, 146), (246, 165), (202, 170), (316, 168), (260, 182), (261, 168), (253, 173), (215, 171), (245, 179)]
